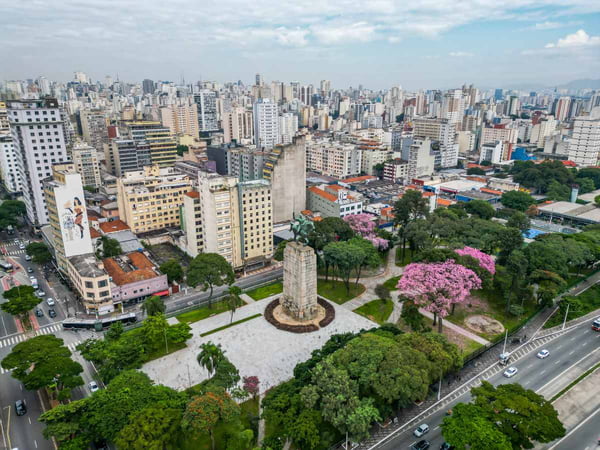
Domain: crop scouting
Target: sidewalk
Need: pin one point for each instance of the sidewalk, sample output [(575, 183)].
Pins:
[(459, 330)]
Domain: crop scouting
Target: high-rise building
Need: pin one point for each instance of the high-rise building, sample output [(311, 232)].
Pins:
[(562, 108), (444, 132), (148, 86), (544, 128), (288, 126), (180, 119), (325, 88), (85, 160), (81, 77), (206, 102), (67, 214), (124, 155), (4, 128), (238, 126), (259, 79), (306, 94), (498, 94), (11, 177), (333, 158), (421, 158), (151, 199), (266, 123), (39, 140), (453, 106), (94, 128), (584, 144), (163, 146), (245, 163)]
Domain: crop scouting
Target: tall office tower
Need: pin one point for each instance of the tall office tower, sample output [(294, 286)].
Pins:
[(94, 128), (44, 86), (288, 126), (306, 93), (498, 94), (285, 169), (38, 136), (325, 88), (443, 131), (206, 102), (561, 108), (231, 218), (123, 155), (259, 79), (150, 199), (584, 144), (266, 123), (180, 119), (163, 146), (420, 103), (295, 85), (81, 77), (513, 105), (453, 106), (4, 128), (11, 177), (85, 160), (67, 214), (238, 126), (277, 91), (148, 86)]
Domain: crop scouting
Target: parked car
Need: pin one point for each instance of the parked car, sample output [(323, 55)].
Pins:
[(421, 445), (20, 408), (27, 258), (510, 372), (52, 313), (29, 270), (93, 386), (39, 312), (40, 293), (421, 430), (50, 301), (543, 354)]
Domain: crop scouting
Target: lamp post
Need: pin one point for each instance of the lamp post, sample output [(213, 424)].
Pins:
[(566, 314)]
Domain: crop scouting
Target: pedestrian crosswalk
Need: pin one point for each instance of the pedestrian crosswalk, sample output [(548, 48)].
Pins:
[(15, 252)]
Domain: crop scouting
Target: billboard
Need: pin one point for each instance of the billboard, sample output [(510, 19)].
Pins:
[(72, 217)]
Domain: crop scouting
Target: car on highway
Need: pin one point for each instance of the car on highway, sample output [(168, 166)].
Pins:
[(52, 313), (596, 324), (421, 445), (20, 408), (39, 312), (27, 258), (543, 354), (50, 301), (510, 372), (29, 270), (40, 293), (421, 430), (93, 386)]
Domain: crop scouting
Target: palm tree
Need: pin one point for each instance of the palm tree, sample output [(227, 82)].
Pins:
[(233, 300), (210, 356)]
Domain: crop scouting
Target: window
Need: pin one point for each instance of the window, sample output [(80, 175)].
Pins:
[(89, 284)]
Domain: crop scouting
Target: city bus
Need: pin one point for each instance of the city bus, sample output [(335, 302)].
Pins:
[(98, 324), (6, 266), (596, 324)]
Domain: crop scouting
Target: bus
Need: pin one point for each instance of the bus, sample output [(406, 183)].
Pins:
[(6, 266), (596, 324), (98, 324)]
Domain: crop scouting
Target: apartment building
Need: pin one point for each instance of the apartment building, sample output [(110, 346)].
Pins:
[(9, 171), (444, 132), (125, 155), (421, 158), (94, 128), (87, 164), (180, 119), (151, 199), (163, 145), (206, 104), (266, 123), (396, 170), (332, 201), (584, 144), (245, 163), (333, 158), (91, 283), (508, 137), (238, 126)]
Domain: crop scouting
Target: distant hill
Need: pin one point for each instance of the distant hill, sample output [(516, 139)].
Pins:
[(581, 84)]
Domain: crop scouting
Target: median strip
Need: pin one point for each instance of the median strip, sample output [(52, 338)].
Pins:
[(230, 325), (577, 380)]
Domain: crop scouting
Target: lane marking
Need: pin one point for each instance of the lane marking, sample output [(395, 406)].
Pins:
[(567, 369), (576, 428)]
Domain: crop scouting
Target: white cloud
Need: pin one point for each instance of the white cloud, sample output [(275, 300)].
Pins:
[(547, 25), (460, 54), (337, 34), (578, 39)]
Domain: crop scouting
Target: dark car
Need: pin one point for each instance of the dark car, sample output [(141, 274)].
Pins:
[(39, 312), (20, 408), (421, 445), (446, 446), (52, 313)]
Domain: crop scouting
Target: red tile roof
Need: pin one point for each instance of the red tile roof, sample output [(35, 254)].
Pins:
[(443, 202), (322, 193), (359, 179), (193, 194), (335, 187), (143, 269), (491, 191), (94, 233), (114, 226)]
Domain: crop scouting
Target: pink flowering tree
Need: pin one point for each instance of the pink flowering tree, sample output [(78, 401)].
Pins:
[(437, 286), (485, 261), (363, 225), (250, 385)]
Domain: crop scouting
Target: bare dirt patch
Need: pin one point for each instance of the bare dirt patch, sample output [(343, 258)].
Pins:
[(484, 324)]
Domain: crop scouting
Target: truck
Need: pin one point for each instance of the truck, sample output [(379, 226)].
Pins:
[(34, 282)]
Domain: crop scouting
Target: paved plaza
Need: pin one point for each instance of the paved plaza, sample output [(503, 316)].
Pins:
[(255, 347)]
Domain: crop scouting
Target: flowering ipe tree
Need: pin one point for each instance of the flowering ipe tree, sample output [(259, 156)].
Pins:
[(363, 225), (485, 261), (437, 286)]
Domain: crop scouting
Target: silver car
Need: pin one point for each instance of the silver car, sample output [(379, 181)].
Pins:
[(510, 372)]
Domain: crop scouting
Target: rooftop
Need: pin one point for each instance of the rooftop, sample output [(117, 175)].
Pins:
[(130, 269), (323, 194), (87, 265), (114, 226)]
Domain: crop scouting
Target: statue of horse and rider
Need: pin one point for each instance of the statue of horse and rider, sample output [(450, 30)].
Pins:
[(301, 227)]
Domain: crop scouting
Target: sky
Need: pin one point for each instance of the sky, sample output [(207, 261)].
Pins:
[(377, 43)]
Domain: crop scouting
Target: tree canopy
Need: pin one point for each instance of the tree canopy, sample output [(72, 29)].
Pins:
[(173, 270), (110, 247), (21, 300), (154, 305), (518, 200), (39, 252), (209, 270)]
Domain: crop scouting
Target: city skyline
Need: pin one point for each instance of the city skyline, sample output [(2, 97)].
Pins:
[(377, 44)]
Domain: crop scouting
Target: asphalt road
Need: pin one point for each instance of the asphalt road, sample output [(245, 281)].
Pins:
[(584, 436), (574, 351)]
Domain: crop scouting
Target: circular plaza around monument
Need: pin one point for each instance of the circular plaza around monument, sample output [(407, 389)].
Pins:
[(277, 316)]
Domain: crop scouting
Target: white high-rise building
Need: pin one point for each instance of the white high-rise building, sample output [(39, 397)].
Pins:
[(443, 131), (453, 106), (38, 135), (266, 123), (584, 144), (563, 105), (11, 177), (288, 125), (206, 101)]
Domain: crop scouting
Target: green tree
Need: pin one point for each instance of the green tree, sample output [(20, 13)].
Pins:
[(558, 191), (210, 355), (278, 255), (204, 412), (181, 149), (345, 257), (412, 317), (410, 207), (154, 331), (44, 362), (154, 305), (233, 299), (597, 200), (114, 332), (585, 185), (39, 252), (151, 428), (519, 221), (110, 247), (21, 300), (14, 207), (367, 257), (209, 270), (518, 200), (480, 208), (475, 171), (173, 270), (382, 292), (467, 427)]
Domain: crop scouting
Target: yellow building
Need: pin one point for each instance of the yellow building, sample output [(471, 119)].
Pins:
[(163, 146), (92, 283), (150, 199)]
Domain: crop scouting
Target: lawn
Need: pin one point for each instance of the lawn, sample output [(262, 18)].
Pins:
[(266, 291), (335, 290), (584, 303), (403, 261), (377, 310), (202, 312), (392, 282), (172, 347)]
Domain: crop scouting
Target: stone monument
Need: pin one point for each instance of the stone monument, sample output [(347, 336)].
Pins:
[(299, 300)]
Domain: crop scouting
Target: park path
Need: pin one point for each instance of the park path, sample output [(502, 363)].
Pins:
[(456, 328)]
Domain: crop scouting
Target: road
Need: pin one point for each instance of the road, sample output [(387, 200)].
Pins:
[(571, 354), (584, 436)]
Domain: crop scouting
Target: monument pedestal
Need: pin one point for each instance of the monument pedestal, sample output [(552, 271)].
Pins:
[(299, 299)]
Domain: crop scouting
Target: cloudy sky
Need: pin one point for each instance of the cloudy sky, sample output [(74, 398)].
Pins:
[(379, 43)]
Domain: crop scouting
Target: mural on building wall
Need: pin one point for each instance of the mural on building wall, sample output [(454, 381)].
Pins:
[(73, 219)]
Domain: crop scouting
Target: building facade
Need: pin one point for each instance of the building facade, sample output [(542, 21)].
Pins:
[(11, 176), (238, 126), (266, 123), (87, 164), (584, 144), (162, 144), (180, 119), (206, 104)]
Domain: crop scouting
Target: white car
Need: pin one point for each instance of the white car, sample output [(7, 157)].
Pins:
[(93, 386), (421, 430), (50, 301), (510, 372), (543, 354), (27, 258), (40, 293), (21, 246)]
